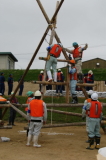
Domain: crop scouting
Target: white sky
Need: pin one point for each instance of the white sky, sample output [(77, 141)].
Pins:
[(22, 26)]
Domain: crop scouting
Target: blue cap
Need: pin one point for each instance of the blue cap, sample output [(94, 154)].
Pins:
[(75, 44)]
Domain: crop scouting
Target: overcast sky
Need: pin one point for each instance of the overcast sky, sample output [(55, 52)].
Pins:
[(22, 26)]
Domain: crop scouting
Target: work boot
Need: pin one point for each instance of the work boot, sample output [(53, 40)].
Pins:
[(97, 142), (74, 99), (91, 144), (29, 139), (35, 140)]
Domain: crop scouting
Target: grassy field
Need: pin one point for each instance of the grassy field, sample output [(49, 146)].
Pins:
[(56, 117)]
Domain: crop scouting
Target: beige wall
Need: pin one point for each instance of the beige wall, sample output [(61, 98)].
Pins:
[(4, 62)]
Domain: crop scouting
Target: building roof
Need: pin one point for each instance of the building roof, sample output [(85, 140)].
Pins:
[(10, 54), (95, 59)]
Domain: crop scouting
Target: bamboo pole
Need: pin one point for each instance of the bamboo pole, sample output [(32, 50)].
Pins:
[(49, 22), (59, 60), (61, 83), (34, 55)]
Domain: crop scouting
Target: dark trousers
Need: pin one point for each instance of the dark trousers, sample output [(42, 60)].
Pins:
[(21, 90), (2, 88), (12, 116), (58, 87), (10, 88), (0, 113)]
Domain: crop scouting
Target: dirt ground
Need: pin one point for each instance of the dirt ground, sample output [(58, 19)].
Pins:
[(60, 143)]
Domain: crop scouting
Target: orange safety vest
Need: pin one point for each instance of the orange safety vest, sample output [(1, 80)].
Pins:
[(59, 76), (95, 109), (74, 75), (56, 50), (88, 100), (76, 53), (27, 102), (2, 100), (36, 108)]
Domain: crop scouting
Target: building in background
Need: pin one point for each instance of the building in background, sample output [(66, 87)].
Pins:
[(7, 60), (96, 63)]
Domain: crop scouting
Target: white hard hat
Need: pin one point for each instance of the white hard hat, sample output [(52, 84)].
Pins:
[(60, 44), (94, 96), (0, 94), (90, 92), (90, 72), (59, 69), (37, 93), (41, 71), (102, 151)]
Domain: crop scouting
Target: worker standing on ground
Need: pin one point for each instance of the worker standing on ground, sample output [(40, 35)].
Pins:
[(12, 111), (41, 78), (2, 85), (94, 109), (10, 84), (89, 79), (77, 55), (54, 53), (59, 79), (21, 86), (85, 112), (38, 115), (73, 80)]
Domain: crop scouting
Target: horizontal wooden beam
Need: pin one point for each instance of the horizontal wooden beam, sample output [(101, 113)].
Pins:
[(51, 83), (59, 60), (61, 83), (63, 105)]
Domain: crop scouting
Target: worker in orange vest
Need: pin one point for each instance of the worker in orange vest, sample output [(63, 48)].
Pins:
[(59, 79), (85, 112), (73, 80), (94, 111), (37, 113), (77, 53), (41, 78), (2, 101), (54, 53)]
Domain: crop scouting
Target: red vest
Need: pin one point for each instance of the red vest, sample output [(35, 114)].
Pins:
[(36, 108), (87, 111), (74, 75), (59, 76), (89, 77), (95, 109), (76, 53), (56, 50)]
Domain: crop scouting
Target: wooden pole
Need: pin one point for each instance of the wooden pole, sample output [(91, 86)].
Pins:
[(34, 55), (59, 60), (6, 127), (51, 83), (49, 22)]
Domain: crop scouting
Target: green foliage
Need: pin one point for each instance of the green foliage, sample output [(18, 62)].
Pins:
[(99, 74)]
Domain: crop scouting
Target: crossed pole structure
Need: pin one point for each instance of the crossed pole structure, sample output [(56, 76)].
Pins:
[(51, 26)]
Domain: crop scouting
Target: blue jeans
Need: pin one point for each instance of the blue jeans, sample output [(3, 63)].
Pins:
[(73, 86)]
